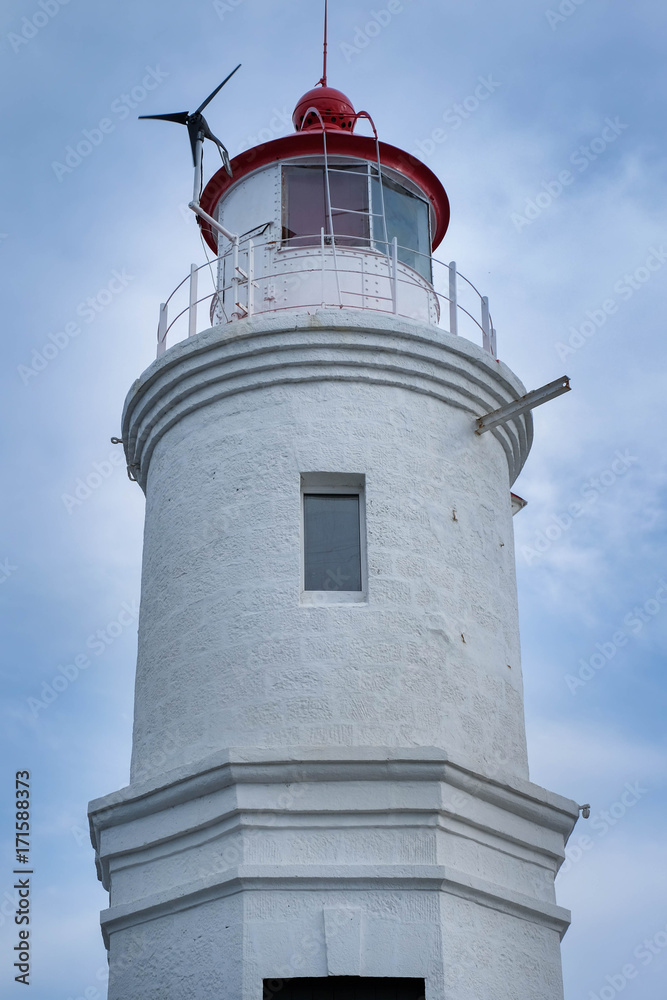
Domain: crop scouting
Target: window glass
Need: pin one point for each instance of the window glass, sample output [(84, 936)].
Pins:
[(349, 205), (408, 220), (306, 210), (332, 542)]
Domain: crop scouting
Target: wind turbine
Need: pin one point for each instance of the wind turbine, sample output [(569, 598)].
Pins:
[(198, 127)]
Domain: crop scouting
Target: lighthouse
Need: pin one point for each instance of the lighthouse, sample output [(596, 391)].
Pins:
[(329, 795)]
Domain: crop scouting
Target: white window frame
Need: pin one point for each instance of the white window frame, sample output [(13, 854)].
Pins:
[(328, 483)]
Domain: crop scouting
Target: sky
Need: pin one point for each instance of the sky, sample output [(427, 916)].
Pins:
[(546, 126)]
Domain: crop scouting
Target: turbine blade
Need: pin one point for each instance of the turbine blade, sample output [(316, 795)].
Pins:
[(180, 117), (217, 89), (209, 135), (221, 146)]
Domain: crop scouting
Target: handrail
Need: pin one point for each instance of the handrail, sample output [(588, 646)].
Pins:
[(243, 280)]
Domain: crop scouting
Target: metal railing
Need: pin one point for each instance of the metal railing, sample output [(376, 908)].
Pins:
[(327, 258)]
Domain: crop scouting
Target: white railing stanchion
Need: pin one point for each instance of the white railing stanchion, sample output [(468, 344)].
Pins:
[(363, 285), (235, 281), (251, 277), (493, 342), (453, 300), (486, 325), (192, 309), (323, 277), (394, 276), (162, 330)]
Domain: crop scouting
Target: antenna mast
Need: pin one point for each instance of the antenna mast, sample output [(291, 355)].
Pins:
[(323, 81)]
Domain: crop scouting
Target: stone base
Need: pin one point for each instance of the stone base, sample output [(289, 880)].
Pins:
[(365, 862)]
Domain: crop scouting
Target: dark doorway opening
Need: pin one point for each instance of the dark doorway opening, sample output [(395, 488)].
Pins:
[(344, 988)]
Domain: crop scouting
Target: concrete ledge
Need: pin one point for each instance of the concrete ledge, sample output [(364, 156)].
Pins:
[(331, 345), (245, 878), (243, 800), (258, 765)]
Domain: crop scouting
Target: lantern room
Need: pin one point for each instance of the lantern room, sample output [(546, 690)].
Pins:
[(325, 217)]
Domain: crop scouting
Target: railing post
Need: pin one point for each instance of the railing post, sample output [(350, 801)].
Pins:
[(251, 277), (192, 314), (494, 342), (486, 325), (162, 330), (235, 281), (453, 300), (322, 253), (394, 277), (363, 282)]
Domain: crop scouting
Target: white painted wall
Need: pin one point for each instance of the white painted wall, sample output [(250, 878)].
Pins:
[(227, 654), (335, 789)]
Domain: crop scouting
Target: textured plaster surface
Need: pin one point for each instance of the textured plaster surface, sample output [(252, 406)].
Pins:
[(227, 654), (328, 789)]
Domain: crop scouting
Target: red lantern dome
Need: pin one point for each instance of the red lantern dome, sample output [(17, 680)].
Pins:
[(334, 107)]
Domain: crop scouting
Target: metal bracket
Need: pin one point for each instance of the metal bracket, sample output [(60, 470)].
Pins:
[(527, 402)]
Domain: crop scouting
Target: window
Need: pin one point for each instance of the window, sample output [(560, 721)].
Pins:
[(333, 542), (306, 208), (344, 988), (332, 545), (356, 212), (408, 220)]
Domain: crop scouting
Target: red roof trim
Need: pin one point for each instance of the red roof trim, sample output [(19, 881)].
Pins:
[(343, 144)]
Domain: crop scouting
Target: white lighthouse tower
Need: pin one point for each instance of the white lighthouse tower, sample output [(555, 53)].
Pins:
[(329, 794)]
